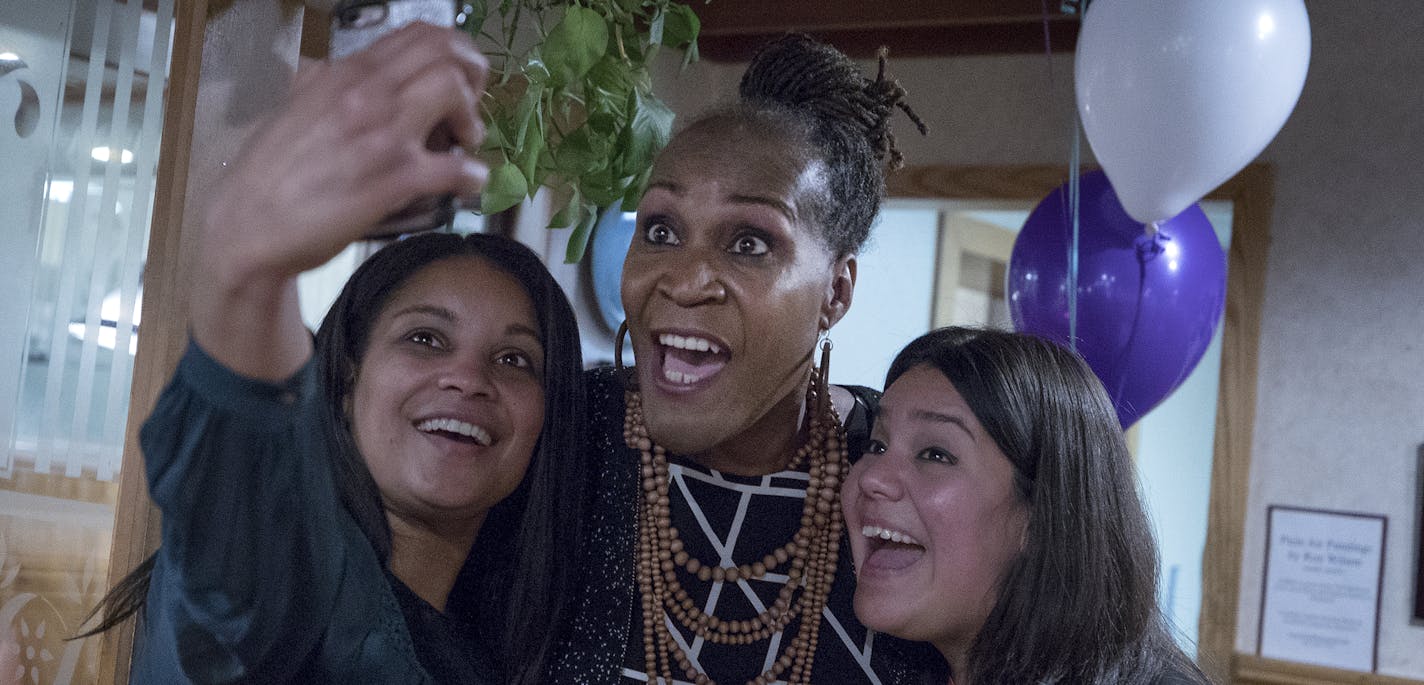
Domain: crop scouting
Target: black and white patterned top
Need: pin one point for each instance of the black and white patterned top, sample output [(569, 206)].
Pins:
[(721, 519)]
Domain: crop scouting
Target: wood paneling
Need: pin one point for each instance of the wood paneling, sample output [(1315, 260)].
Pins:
[(1251, 196), (732, 29), (136, 520), (1254, 670), (231, 63)]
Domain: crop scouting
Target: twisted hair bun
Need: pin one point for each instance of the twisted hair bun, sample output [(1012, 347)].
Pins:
[(815, 98), (797, 72)]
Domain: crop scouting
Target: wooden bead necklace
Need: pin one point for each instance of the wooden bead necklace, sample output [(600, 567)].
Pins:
[(811, 555)]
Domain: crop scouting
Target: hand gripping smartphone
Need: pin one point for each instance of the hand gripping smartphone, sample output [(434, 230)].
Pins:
[(355, 24)]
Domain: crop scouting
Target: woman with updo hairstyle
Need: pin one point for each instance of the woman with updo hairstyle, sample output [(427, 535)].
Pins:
[(714, 547), (995, 515)]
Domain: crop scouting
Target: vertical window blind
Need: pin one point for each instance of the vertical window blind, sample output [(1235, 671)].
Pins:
[(85, 299)]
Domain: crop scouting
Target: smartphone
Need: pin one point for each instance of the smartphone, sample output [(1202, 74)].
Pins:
[(355, 24)]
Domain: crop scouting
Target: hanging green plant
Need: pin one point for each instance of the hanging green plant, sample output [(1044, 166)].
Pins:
[(570, 104)]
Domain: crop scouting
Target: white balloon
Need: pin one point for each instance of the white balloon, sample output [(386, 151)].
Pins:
[(1176, 96)]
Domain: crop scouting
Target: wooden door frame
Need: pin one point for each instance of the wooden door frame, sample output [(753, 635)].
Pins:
[(227, 56), (1251, 195), (136, 520)]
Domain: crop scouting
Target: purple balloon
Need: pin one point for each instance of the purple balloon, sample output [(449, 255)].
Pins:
[(1148, 305)]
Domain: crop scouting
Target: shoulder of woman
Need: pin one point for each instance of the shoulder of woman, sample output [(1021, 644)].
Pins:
[(1175, 675), (603, 385), (846, 396), (856, 405)]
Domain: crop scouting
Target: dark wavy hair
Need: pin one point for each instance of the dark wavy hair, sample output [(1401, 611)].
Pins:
[(513, 586), (1079, 604), (816, 97)]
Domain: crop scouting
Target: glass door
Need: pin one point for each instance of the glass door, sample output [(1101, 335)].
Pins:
[(81, 102)]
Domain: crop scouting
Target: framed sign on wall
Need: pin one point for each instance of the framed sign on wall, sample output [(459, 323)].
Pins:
[(1320, 600), (1419, 546)]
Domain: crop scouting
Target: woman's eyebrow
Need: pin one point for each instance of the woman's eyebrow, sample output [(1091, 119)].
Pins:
[(428, 309), (773, 203), (937, 417), (781, 207), (522, 330)]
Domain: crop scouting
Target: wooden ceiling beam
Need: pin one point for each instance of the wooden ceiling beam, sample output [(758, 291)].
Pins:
[(733, 29)]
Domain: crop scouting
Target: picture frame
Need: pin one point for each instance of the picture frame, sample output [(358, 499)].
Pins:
[(1322, 587), (1418, 616)]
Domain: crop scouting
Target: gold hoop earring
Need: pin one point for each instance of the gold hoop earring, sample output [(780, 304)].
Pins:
[(630, 379)]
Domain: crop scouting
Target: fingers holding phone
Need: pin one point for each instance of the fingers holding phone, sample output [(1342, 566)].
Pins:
[(352, 146)]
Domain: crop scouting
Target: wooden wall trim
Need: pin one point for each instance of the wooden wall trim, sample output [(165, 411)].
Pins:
[(231, 64), (1025, 182), (1248, 669), (136, 521), (1251, 195), (733, 29)]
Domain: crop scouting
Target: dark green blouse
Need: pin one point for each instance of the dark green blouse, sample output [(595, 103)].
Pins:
[(262, 575)]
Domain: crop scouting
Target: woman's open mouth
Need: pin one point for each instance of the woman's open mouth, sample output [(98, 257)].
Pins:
[(690, 359), (889, 550), (456, 430)]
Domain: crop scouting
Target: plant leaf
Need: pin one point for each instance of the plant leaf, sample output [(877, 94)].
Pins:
[(636, 188), (536, 71), (655, 28), (568, 213), (529, 156), (600, 188), (580, 153), (578, 41), (506, 188), (578, 240), (475, 19), (680, 26), (526, 112), (649, 127)]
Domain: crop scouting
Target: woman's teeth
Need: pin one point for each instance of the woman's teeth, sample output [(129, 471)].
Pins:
[(891, 535), (689, 343), (679, 377), (457, 427)]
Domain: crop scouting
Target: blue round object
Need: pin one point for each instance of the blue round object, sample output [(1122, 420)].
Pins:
[(611, 237)]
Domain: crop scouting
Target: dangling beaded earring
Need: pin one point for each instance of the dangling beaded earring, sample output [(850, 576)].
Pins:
[(823, 377), (630, 379)]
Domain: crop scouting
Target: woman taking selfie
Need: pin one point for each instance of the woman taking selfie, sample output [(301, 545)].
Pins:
[(713, 551), (995, 515), (319, 506)]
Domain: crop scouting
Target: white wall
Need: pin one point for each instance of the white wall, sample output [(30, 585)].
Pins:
[(1340, 405), (894, 295)]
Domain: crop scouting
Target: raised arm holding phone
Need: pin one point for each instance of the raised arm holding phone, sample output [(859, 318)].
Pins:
[(321, 500)]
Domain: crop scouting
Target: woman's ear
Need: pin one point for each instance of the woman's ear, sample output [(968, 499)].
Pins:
[(839, 292)]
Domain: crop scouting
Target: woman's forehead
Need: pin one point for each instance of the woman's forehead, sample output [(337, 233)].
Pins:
[(740, 160)]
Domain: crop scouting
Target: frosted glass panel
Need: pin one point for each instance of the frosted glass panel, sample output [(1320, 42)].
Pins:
[(81, 103)]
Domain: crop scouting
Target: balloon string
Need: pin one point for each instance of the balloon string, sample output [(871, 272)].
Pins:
[(1121, 362), (1072, 188), (1075, 160), (1073, 197)]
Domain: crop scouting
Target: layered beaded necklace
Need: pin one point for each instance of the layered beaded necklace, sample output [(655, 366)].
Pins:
[(811, 555)]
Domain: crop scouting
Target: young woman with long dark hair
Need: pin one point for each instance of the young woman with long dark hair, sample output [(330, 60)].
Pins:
[(995, 515), (389, 504)]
